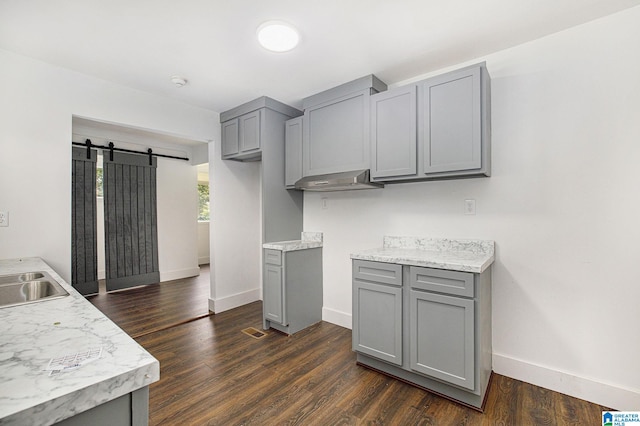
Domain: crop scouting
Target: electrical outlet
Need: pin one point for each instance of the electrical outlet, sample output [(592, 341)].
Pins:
[(4, 218), (470, 207)]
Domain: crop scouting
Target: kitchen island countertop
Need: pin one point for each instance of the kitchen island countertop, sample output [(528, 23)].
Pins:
[(34, 333)]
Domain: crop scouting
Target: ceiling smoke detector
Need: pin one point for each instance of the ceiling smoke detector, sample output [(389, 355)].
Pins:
[(277, 36), (178, 81)]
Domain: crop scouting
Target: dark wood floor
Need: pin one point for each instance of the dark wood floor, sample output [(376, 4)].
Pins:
[(213, 374), (143, 310)]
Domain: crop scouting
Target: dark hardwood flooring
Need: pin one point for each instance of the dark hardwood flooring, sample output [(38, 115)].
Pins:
[(213, 374), (142, 310)]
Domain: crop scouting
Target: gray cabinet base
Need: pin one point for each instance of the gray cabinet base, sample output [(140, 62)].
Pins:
[(301, 297), (287, 329), (131, 409), (461, 396)]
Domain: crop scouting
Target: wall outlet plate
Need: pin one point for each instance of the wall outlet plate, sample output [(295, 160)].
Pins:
[(469, 207), (4, 218)]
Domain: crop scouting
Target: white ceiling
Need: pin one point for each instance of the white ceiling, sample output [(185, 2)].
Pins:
[(212, 43)]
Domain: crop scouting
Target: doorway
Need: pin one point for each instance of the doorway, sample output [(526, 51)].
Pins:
[(177, 194)]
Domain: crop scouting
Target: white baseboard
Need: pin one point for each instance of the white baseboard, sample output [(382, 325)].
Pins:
[(179, 274), (579, 387), (336, 317), (235, 300), (204, 260), (167, 275)]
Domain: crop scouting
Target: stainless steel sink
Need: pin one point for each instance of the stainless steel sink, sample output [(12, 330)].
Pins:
[(29, 287)]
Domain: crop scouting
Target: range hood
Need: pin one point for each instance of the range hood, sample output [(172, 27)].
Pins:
[(344, 181)]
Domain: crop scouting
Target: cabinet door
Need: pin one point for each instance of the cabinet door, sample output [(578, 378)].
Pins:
[(377, 321), (230, 138), (394, 133), (336, 135), (293, 151), (274, 294), (450, 115), (250, 132), (442, 342)]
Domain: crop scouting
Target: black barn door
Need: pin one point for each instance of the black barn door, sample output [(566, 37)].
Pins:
[(131, 230), (84, 243)]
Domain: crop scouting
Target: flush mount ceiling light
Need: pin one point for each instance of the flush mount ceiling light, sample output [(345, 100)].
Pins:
[(277, 36), (178, 81)]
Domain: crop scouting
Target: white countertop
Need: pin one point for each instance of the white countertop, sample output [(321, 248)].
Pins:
[(308, 240), (32, 334), (451, 254)]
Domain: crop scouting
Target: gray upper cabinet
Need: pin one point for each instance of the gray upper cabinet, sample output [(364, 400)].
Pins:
[(394, 133), (293, 151), (255, 131), (451, 114), (250, 132), (336, 128), (444, 121), (230, 138), (241, 137), (248, 128)]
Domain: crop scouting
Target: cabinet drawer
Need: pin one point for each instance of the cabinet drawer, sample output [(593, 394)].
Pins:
[(273, 257), (448, 282), (380, 272)]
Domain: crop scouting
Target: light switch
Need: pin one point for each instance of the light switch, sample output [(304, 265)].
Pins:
[(470, 207), (4, 218), (325, 203)]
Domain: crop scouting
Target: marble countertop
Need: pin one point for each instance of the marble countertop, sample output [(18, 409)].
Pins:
[(455, 255), (308, 240), (32, 334)]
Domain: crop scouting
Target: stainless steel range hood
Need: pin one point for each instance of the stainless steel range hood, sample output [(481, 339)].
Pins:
[(344, 181)]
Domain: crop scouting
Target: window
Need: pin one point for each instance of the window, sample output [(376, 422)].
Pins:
[(203, 202), (99, 192)]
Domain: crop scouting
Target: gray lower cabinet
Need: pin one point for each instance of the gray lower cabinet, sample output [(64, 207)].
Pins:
[(131, 409), (293, 151), (274, 296), (378, 311), (430, 327), (434, 129), (292, 290), (442, 337)]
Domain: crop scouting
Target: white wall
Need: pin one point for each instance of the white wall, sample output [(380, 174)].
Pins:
[(36, 108), (234, 199), (204, 243), (177, 189), (562, 206)]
